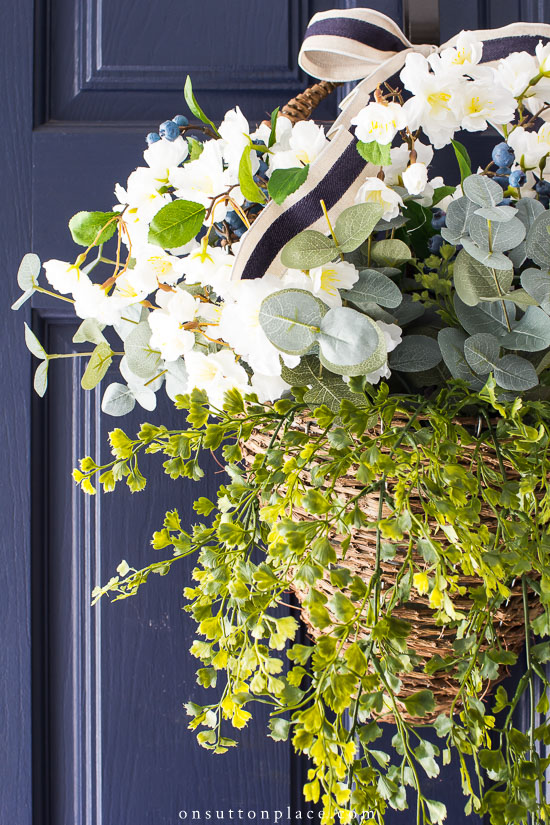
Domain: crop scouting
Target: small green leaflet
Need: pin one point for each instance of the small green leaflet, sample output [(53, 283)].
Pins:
[(442, 192), (374, 152), (27, 274), (176, 224), (195, 148), (93, 228), (34, 345), (41, 378), (419, 703), (463, 158), (194, 106), (283, 182), (273, 132), (308, 250), (249, 187)]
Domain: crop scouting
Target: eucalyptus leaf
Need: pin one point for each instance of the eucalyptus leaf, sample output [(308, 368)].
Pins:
[(538, 240), (501, 237), (308, 250), (520, 298), (98, 365), (33, 344), (475, 282), (23, 299), (527, 210), (118, 399), (354, 225), (28, 272), (176, 224), (496, 213), (373, 287), (537, 284), (142, 360), (392, 253), (408, 311), (324, 388), (518, 254), (40, 382), (487, 316), (459, 214), (347, 339), (393, 223), (451, 343), (89, 331), (291, 319), (482, 190), (515, 373), (531, 333), (482, 352), (495, 260), (415, 353)]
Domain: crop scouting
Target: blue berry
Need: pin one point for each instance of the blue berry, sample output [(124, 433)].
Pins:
[(152, 137), (545, 200), (438, 219), (503, 170), (169, 130), (542, 187), (502, 180), (262, 168), (503, 155), (435, 243), (518, 178), (180, 120), (505, 202)]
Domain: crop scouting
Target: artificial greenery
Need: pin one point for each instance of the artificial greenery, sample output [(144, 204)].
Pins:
[(250, 549)]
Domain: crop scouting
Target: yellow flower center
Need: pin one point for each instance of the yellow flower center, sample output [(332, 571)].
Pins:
[(329, 279), (439, 100), (160, 266)]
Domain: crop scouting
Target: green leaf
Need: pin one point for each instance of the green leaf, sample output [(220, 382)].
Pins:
[(437, 811), (118, 399), (482, 352), (176, 224), (538, 240), (496, 260), (527, 210), (497, 213), (451, 343), (442, 192), (482, 190), (33, 344), (283, 182), (279, 728), (354, 225), (308, 250), (23, 299), (29, 269), (291, 319), (41, 378), (373, 287), (475, 282), (98, 365), (93, 228), (249, 187), (463, 158), (515, 373), (142, 360), (537, 284), (374, 152), (89, 331), (392, 253), (504, 235), (531, 333), (194, 106), (419, 703), (347, 340), (459, 214), (273, 132), (326, 389), (342, 607), (415, 353), (196, 148), (487, 316)]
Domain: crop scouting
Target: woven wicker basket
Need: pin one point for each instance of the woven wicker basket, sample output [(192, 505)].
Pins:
[(426, 638)]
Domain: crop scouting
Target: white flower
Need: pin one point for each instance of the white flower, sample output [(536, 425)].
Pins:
[(234, 130), (375, 190), (163, 155), (306, 143), (283, 133), (378, 122), (515, 71), (542, 53), (210, 266), (530, 147), (240, 325), (215, 374), (392, 336), (168, 335), (91, 301), (432, 104), (330, 278), (415, 178), (129, 290), (461, 58), (141, 194), (268, 387), (203, 179), (484, 101), (400, 157), (154, 266), (63, 276)]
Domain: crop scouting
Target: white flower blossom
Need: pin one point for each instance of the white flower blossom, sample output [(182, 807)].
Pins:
[(375, 190), (484, 101), (306, 143), (392, 336), (515, 71), (210, 266), (234, 130), (433, 103), (64, 277), (154, 266), (530, 147), (168, 334), (463, 58), (205, 178), (415, 178), (163, 155), (324, 281), (379, 122), (215, 374), (91, 301)]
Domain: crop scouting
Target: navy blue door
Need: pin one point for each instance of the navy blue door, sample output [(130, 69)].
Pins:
[(99, 735)]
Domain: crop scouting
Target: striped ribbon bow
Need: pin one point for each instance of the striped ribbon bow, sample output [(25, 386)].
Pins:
[(344, 45)]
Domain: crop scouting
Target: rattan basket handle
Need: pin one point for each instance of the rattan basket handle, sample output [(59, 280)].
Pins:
[(303, 105)]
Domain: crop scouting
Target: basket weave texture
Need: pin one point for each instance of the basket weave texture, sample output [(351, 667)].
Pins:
[(426, 638)]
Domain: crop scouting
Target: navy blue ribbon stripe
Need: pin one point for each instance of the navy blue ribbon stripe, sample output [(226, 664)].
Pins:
[(360, 30), (501, 47)]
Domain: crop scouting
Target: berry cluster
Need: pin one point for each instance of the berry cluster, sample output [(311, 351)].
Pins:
[(170, 129)]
